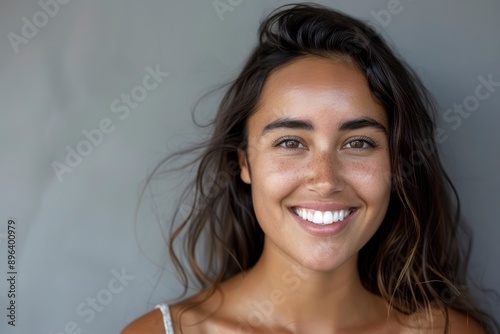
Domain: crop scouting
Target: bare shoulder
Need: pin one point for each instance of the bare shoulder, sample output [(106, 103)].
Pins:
[(461, 323), (458, 323), (151, 322), (206, 312), (195, 314)]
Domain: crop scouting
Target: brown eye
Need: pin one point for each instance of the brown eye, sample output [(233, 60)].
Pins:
[(357, 144), (291, 144), (361, 144)]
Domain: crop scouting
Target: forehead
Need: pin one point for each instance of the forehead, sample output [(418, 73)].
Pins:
[(314, 86)]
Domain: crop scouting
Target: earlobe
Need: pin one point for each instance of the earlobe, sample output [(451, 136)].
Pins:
[(244, 166)]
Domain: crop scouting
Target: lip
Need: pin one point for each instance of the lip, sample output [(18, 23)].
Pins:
[(318, 206), (323, 230)]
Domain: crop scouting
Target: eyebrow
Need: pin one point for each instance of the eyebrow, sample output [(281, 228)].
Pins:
[(364, 122), (354, 124), (288, 123)]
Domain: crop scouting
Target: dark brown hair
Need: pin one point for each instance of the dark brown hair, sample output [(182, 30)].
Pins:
[(413, 260)]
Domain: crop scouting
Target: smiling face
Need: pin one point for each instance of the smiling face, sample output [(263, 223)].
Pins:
[(318, 160)]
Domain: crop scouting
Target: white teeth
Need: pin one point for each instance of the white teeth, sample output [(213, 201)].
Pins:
[(327, 217), (310, 216), (321, 218), (318, 217)]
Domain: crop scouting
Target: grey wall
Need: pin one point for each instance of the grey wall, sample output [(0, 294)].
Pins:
[(76, 233)]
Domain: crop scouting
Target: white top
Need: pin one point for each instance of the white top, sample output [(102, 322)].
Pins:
[(167, 319)]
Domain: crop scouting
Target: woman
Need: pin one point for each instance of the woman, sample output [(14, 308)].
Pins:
[(320, 199)]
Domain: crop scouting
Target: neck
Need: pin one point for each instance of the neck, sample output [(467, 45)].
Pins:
[(289, 293)]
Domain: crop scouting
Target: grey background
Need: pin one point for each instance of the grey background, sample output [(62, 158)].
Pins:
[(72, 235)]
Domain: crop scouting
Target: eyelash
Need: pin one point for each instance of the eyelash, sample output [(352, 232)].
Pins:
[(283, 140), (371, 143)]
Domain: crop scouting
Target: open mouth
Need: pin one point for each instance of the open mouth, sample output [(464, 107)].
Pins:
[(322, 217)]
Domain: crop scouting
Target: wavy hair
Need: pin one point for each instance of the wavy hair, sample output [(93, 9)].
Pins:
[(414, 260)]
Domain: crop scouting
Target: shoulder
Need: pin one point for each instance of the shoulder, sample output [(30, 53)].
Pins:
[(461, 323), (206, 312), (458, 323), (194, 315), (151, 322)]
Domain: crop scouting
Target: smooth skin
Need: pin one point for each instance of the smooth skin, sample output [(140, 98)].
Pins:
[(318, 140)]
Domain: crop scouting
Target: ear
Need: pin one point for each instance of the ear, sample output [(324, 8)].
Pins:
[(244, 166)]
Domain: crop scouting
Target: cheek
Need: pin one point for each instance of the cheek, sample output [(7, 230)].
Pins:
[(277, 174), (273, 179), (371, 179)]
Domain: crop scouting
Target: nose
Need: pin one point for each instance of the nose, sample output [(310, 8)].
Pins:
[(325, 177)]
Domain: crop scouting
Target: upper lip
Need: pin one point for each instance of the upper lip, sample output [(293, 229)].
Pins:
[(323, 206)]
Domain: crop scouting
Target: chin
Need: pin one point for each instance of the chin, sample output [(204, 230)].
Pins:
[(327, 262)]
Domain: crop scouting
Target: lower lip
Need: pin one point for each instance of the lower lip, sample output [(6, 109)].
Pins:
[(325, 230)]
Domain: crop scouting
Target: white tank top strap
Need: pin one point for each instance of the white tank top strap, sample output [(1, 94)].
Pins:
[(167, 318)]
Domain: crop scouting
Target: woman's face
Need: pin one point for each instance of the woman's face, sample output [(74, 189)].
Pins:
[(317, 162)]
